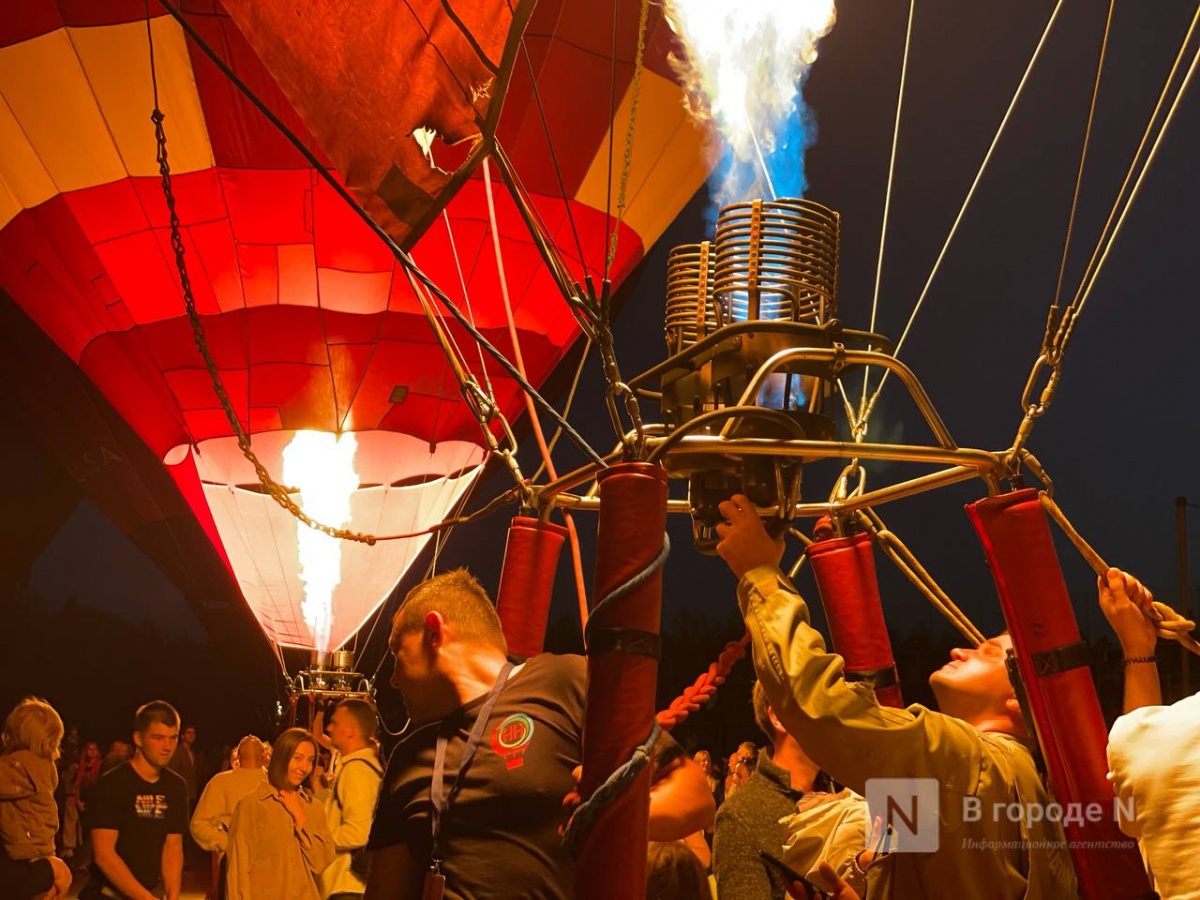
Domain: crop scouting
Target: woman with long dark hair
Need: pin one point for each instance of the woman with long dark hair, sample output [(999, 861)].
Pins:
[(278, 840)]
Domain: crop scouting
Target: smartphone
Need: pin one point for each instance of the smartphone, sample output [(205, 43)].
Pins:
[(791, 874)]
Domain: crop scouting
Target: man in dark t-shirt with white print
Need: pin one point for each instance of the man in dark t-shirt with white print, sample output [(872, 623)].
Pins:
[(138, 814), (519, 729)]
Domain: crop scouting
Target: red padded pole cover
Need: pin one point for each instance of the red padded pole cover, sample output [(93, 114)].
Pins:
[(1070, 726), (845, 572), (622, 686), (527, 582)]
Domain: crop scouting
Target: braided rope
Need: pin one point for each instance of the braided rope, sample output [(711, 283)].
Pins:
[(1172, 626), (585, 813), (1168, 623), (699, 692)]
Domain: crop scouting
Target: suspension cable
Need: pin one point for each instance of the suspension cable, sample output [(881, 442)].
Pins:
[(546, 248), (906, 561), (860, 433), (1089, 279), (562, 188), (576, 555), (478, 402), (1056, 339), (592, 312), (570, 402), (506, 300), (1087, 135), (462, 282), (1037, 52)]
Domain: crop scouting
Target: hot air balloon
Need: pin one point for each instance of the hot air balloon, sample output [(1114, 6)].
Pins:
[(310, 323)]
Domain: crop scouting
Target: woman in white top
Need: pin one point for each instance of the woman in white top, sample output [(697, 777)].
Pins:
[(278, 840)]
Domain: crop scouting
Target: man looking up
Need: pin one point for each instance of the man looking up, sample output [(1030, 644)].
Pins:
[(493, 746), (138, 815), (214, 811), (975, 748), (350, 801)]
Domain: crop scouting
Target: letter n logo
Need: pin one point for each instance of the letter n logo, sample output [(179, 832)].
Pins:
[(909, 809)]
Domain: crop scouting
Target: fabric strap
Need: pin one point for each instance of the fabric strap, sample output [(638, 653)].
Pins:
[(439, 799)]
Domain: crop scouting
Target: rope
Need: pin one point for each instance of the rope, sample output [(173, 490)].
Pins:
[(585, 814), (704, 688), (272, 488), (1168, 624), (569, 520), (906, 561), (630, 583), (1037, 52)]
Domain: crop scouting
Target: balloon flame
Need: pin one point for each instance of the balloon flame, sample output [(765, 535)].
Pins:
[(321, 466), (743, 70)]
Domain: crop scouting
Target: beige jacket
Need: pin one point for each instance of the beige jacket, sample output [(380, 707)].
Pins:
[(269, 858), (214, 811), (843, 729), (28, 812)]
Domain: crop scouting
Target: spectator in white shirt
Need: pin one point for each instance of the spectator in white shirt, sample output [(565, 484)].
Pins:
[(350, 801)]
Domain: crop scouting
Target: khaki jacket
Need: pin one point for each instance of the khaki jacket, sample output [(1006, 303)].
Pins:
[(269, 858), (28, 811), (852, 738)]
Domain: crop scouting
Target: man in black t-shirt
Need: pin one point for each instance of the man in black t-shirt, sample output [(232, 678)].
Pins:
[(138, 814), (499, 833)]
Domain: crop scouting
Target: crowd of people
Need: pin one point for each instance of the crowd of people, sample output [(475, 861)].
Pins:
[(473, 799)]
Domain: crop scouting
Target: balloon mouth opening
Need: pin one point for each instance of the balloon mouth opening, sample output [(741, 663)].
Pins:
[(402, 485)]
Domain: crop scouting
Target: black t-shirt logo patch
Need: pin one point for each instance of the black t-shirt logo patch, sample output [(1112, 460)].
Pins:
[(150, 806), (511, 737)]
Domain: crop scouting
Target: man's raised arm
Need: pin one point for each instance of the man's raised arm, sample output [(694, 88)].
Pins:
[(840, 725)]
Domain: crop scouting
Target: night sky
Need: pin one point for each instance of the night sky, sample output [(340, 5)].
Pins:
[(1119, 440)]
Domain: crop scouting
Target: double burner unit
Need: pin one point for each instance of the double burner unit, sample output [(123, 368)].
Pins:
[(737, 309)]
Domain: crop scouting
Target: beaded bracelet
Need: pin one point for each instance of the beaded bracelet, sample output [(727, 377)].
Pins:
[(1131, 660)]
